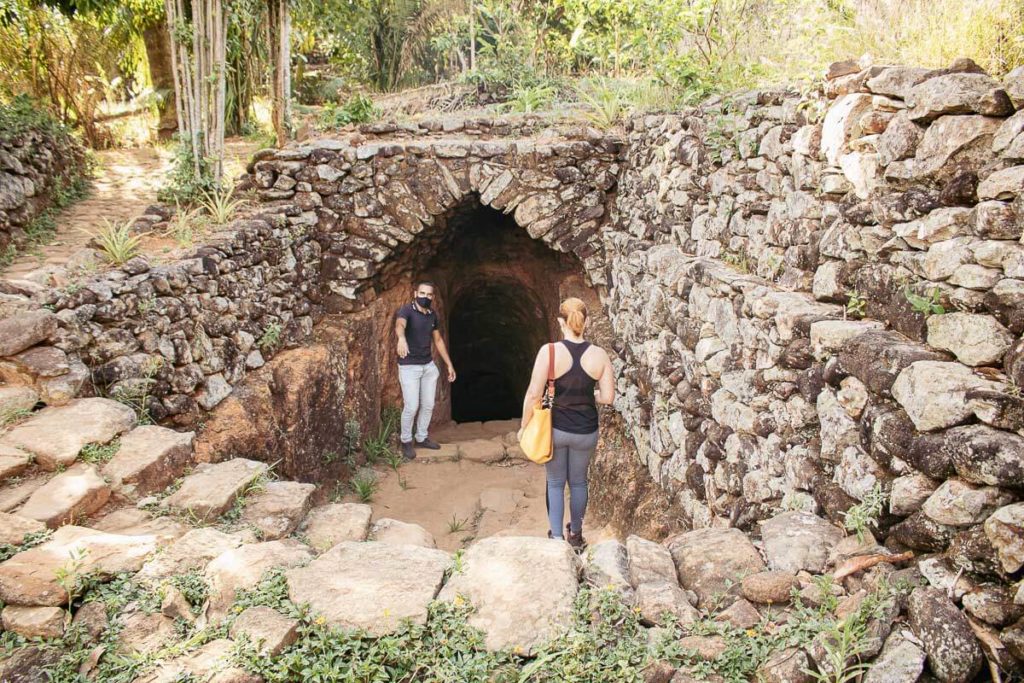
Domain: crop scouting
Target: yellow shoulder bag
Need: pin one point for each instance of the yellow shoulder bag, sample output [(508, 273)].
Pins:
[(536, 439)]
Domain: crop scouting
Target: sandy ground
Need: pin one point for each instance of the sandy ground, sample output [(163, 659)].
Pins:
[(126, 182), (449, 497)]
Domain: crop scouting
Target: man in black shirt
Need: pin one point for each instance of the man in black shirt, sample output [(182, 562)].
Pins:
[(416, 328)]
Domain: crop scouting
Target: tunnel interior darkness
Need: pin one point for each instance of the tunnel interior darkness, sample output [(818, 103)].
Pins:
[(500, 290)]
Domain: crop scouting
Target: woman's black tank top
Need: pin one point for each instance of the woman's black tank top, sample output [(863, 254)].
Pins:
[(575, 410)]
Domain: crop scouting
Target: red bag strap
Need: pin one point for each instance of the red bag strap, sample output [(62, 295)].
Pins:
[(551, 368)]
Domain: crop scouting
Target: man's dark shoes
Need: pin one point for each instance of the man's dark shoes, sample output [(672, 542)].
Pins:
[(427, 443), (408, 451)]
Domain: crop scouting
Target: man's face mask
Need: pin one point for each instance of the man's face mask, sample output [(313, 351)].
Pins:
[(423, 301)]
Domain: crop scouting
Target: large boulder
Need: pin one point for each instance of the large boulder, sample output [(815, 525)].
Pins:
[(370, 585), (798, 541), (210, 490), (149, 459), (31, 577), (954, 655), (243, 567), (518, 612), (958, 93), (55, 435), (327, 525), (710, 562)]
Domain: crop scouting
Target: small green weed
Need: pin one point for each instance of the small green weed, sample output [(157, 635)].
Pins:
[(14, 416), (603, 102), (97, 454), (381, 446), (365, 485), (925, 305), (455, 525), (357, 109), (856, 305), (865, 514), (271, 337), (527, 99)]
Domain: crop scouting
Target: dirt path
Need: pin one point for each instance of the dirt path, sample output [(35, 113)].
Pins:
[(126, 182), (457, 497)]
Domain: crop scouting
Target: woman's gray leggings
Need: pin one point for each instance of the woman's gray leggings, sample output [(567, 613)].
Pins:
[(569, 462)]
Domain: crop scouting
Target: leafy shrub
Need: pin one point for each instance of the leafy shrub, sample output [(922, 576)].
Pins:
[(184, 187), (357, 109), (116, 242)]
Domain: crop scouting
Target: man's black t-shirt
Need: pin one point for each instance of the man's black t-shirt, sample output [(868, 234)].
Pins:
[(419, 331)]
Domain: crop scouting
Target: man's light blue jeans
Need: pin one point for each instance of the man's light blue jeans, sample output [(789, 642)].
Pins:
[(419, 383)]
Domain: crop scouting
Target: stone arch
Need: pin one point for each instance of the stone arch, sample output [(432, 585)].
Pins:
[(379, 209)]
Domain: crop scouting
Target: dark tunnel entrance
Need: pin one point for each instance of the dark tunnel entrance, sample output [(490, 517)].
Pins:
[(496, 327), (500, 292)]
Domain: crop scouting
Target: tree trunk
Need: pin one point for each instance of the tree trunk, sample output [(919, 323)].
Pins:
[(161, 73), (281, 57)]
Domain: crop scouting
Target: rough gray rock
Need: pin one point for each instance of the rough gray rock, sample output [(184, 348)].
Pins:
[(210, 490), (796, 541), (401, 533), (712, 561), (370, 585), (974, 339), (958, 93), (277, 510), (902, 659), (18, 332), (266, 628), (521, 613), (327, 525), (649, 561), (954, 654)]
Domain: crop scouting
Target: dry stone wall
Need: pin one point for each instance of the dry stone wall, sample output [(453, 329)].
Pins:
[(34, 164)]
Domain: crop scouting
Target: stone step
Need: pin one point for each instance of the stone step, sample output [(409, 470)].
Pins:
[(13, 528), (394, 532), (211, 489), (71, 495), (370, 585), (149, 459), (56, 435), (17, 492), (277, 510), (13, 461), (328, 525), (531, 603), (31, 577)]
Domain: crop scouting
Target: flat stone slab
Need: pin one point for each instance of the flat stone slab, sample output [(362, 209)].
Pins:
[(30, 577), (136, 522), (34, 622), (14, 399), (194, 550), (14, 495), (710, 562), (55, 435), (69, 496), (328, 525), (14, 527), (149, 459), (22, 330), (13, 461), (483, 450), (522, 589), (370, 586), (244, 566), (211, 489), (277, 510)]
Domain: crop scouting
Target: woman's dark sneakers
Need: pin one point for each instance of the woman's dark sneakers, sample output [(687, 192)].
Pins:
[(408, 452), (577, 541), (427, 443)]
